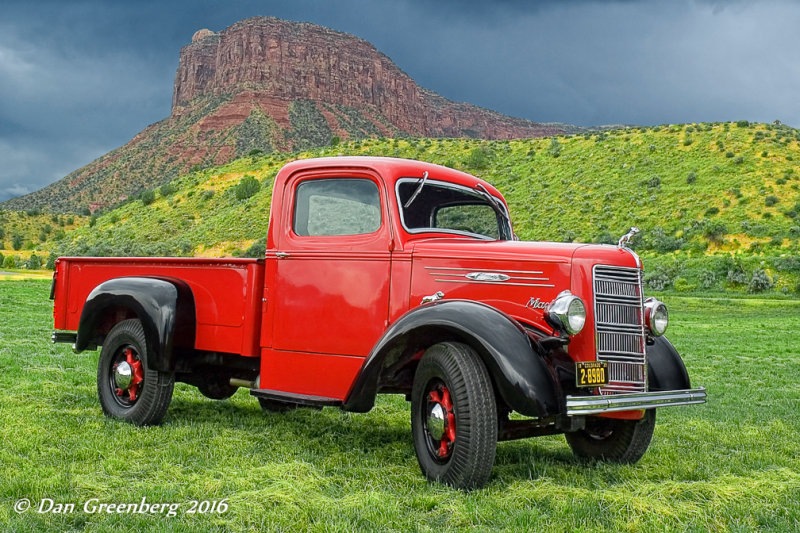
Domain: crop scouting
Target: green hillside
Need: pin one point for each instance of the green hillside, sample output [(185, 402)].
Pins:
[(725, 190)]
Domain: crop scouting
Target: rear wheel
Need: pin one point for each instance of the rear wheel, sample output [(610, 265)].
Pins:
[(615, 440), (127, 388), (454, 416)]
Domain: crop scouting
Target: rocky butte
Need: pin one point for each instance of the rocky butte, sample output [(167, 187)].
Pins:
[(272, 85)]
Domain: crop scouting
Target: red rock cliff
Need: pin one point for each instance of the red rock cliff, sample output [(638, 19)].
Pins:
[(281, 60)]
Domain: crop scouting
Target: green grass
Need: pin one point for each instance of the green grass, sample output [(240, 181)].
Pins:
[(730, 465)]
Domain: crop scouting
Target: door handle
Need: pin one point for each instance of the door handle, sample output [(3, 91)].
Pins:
[(281, 255)]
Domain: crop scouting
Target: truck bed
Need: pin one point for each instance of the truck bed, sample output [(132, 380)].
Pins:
[(227, 294)]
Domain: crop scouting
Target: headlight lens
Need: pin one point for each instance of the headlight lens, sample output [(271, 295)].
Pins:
[(656, 316), (568, 313)]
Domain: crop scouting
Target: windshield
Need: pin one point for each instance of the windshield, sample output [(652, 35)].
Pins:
[(445, 207)]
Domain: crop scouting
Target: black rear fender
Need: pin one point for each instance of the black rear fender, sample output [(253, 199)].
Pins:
[(519, 374), (164, 305)]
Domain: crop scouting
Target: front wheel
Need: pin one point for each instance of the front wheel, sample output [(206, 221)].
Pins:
[(454, 416), (615, 440), (127, 388)]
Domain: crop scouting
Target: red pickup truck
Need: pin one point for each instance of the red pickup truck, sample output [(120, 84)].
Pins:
[(391, 276)]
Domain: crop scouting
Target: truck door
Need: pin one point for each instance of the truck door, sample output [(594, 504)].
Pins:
[(331, 294)]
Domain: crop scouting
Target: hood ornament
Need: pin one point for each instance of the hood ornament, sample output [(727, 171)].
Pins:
[(625, 239)]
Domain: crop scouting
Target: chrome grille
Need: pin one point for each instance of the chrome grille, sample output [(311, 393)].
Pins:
[(619, 327)]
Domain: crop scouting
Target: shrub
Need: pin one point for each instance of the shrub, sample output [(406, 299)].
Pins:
[(760, 281), (70, 221), (51, 261), (708, 279), (34, 262), (764, 153), (555, 147), (683, 285), (93, 221), (691, 177), (729, 154), (255, 152), (477, 158), (1, 258), (114, 218), (335, 140), (2, 233), (711, 211), (714, 231), (659, 279), (168, 189), (742, 124), (737, 275), (147, 197), (247, 187), (739, 160), (16, 241), (9, 262), (770, 200)]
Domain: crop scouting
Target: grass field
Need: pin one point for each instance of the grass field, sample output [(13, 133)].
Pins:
[(730, 465)]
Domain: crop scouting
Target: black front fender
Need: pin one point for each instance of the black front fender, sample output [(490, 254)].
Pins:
[(165, 307), (518, 372), (665, 368)]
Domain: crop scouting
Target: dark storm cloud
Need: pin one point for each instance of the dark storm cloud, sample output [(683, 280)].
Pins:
[(78, 79)]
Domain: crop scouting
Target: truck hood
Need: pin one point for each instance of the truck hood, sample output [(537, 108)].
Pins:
[(517, 277)]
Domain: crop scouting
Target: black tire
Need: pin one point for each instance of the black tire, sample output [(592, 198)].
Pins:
[(216, 388), (462, 458), (147, 404), (613, 440)]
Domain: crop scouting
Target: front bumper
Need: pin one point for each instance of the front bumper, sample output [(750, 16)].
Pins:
[(592, 405)]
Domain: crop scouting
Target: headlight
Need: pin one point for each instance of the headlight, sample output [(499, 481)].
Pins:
[(567, 313), (656, 316)]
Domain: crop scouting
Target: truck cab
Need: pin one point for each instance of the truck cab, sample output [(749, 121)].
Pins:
[(385, 275)]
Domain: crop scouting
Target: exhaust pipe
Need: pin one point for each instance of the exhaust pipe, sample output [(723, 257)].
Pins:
[(236, 382)]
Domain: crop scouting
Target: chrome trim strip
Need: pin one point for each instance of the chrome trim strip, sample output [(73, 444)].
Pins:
[(484, 270), (504, 283), (589, 405)]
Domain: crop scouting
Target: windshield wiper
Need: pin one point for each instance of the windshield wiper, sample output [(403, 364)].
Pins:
[(498, 208), (422, 181)]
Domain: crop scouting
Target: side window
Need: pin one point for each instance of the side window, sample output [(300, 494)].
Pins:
[(336, 206)]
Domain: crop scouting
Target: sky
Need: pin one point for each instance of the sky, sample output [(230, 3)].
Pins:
[(80, 78)]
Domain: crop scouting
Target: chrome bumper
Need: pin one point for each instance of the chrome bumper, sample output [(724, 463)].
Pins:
[(591, 405)]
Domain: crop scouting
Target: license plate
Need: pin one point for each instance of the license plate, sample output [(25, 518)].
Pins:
[(591, 373)]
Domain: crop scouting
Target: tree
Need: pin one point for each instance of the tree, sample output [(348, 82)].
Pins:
[(16, 241)]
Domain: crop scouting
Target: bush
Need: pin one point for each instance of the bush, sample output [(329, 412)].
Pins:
[(70, 221), (760, 281), (51, 261), (659, 279), (34, 263), (2, 233), (739, 160), (708, 279), (477, 158), (742, 124), (683, 285), (93, 221), (711, 211), (737, 275), (691, 178), (168, 189), (247, 188), (770, 200), (729, 154), (714, 231), (147, 197), (16, 241), (9, 262), (555, 148)]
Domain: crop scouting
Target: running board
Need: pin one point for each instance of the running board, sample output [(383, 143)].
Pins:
[(301, 399)]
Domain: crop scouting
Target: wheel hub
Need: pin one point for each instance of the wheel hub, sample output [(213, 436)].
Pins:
[(123, 375), (127, 376), (436, 421), (440, 423)]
